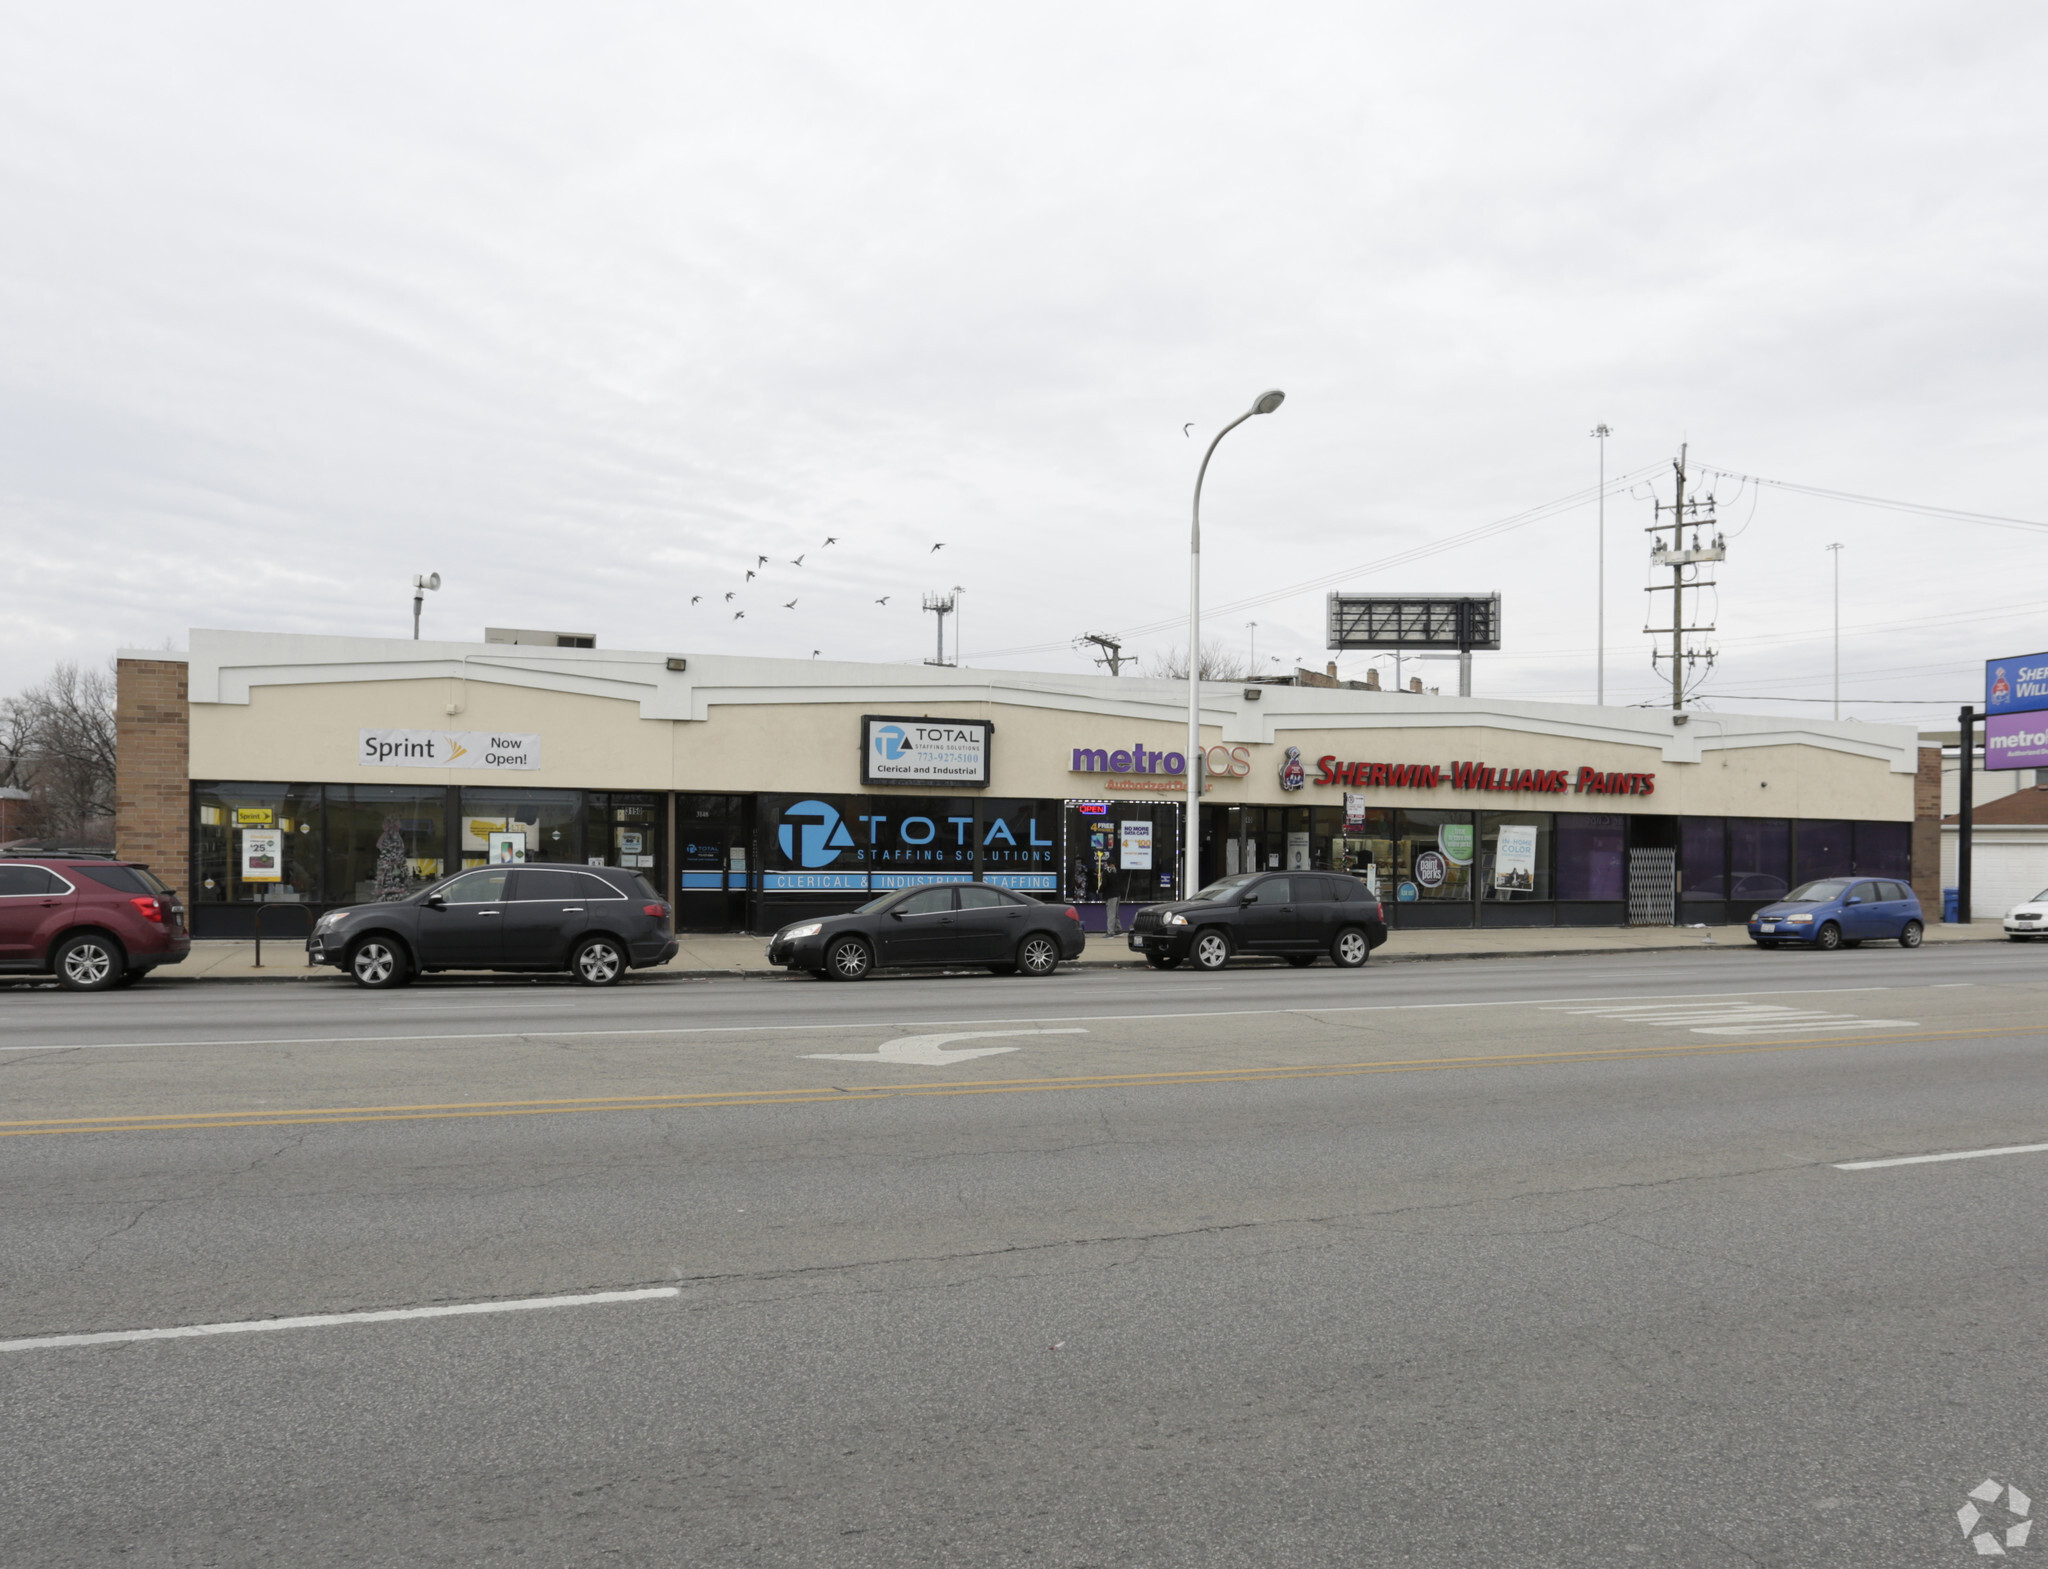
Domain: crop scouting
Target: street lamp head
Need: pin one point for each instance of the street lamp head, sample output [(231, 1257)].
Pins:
[(430, 580), (1267, 402)]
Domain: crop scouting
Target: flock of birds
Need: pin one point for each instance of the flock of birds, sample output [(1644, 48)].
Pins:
[(761, 565)]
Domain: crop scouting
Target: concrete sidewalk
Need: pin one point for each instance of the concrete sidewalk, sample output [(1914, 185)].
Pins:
[(708, 954)]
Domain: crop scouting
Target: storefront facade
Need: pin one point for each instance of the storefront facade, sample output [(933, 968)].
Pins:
[(323, 771)]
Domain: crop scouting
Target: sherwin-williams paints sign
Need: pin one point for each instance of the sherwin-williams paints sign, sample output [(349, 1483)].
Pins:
[(924, 751), (2016, 712), (447, 749)]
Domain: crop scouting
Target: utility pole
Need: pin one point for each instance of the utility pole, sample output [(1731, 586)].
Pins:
[(1113, 654), (1966, 791), (940, 605), (1836, 551), (1695, 514), (1600, 433)]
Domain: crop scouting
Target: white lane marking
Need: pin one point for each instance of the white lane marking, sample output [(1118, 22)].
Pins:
[(1928, 1160), (883, 1024), (928, 1051), (1732, 1016), (324, 1320)]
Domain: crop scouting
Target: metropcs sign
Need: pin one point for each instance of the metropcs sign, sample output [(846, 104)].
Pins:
[(446, 749)]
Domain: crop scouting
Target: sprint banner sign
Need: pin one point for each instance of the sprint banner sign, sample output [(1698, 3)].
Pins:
[(487, 749), (924, 751)]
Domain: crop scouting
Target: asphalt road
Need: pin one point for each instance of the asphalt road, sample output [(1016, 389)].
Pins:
[(1501, 1262)]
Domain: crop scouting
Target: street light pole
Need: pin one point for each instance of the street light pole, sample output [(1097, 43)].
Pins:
[(1191, 835), (1600, 433), (1836, 552), (420, 584)]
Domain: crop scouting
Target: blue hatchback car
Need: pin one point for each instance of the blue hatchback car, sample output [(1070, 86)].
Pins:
[(1841, 912)]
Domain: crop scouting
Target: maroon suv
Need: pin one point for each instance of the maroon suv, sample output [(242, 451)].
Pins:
[(90, 920)]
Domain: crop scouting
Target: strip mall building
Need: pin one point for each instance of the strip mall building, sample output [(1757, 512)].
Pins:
[(264, 769)]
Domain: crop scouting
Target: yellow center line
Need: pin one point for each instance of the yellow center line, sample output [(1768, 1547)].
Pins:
[(812, 1095)]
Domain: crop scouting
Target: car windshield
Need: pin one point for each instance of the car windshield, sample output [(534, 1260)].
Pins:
[(2040, 898), (1818, 892), (1226, 887)]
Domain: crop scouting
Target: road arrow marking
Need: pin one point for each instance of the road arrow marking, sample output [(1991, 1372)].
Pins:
[(928, 1051)]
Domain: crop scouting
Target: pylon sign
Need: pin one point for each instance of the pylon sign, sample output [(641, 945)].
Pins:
[(2016, 712)]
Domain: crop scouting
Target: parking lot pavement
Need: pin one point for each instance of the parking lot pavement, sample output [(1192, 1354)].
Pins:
[(706, 953)]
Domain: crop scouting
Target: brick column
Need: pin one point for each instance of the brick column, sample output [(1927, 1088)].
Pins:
[(152, 791), (1927, 832)]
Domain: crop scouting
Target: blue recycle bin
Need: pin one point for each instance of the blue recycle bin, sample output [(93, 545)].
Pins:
[(1950, 899)]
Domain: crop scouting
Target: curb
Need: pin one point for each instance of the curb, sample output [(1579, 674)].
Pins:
[(324, 975)]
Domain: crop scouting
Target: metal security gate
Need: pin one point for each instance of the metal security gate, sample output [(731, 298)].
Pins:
[(1652, 887)]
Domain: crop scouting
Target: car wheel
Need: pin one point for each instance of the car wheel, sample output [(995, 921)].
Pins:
[(1160, 961), (1350, 949), (599, 961), (1212, 950), (1829, 937), (1301, 961), (88, 963), (1038, 955), (849, 960), (378, 963), (1910, 934)]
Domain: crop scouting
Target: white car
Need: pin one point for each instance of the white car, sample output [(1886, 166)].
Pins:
[(2029, 919)]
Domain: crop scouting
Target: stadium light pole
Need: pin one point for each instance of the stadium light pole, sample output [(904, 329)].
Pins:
[(1600, 433), (1191, 834)]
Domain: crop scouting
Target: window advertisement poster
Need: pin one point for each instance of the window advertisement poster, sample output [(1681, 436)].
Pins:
[(951, 752), (1430, 869), (255, 817), (1297, 851), (262, 855), (1134, 846), (1514, 858), (871, 844), (1455, 840), (507, 848)]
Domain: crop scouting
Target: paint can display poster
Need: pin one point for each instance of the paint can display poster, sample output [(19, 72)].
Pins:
[(1431, 869), (1455, 840), (1514, 858)]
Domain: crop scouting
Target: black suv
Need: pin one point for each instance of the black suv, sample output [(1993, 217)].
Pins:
[(596, 922), (1291, 915)]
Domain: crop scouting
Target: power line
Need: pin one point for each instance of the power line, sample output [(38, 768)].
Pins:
[(1991, 518)]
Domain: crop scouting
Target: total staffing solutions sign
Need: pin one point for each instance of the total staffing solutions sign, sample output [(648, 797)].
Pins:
[(2016, 712), (924, 751), (487, 749)]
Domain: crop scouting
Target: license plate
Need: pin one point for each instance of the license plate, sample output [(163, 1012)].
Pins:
[(1137, 942)]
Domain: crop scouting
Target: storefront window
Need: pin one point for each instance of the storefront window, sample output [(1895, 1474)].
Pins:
[(548, 821), (1591, 855), (1824, 850), (1433, 857), (1123, 850), (1514, 856), (711, 841), (384, 841), (257, 842), (1758, 850), (1364, 847), (1702, 857), (1884, 850)]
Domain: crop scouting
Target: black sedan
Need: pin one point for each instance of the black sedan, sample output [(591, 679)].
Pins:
[(939, 923), (595, 922), (1296, 916)]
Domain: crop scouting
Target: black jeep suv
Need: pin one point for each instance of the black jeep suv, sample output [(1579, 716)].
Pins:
[(595, 922), (1295, 916)]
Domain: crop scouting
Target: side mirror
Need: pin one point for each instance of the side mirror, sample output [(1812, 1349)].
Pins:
[(435, 901), (897, 913), (1853, 899)]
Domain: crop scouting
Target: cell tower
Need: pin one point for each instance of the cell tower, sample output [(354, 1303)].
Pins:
[(942, 606), (1685, 562)]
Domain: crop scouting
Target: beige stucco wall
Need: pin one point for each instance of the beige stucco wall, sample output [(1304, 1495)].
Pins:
[(309, 732)]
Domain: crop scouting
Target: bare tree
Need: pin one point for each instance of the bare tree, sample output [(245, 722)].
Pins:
[(57, 743), (1218, 664)]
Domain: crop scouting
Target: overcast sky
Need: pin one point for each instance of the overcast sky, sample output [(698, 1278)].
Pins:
[(587, 306)]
